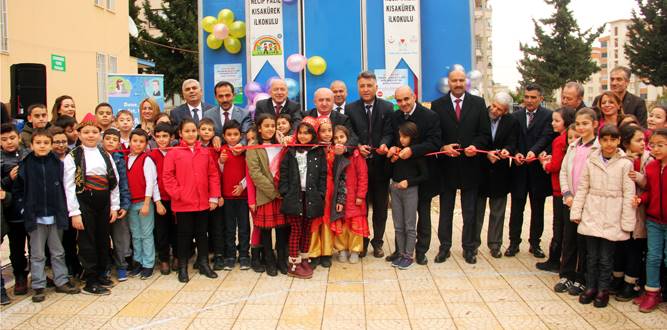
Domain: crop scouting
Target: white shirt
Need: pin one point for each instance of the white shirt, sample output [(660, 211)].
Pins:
[(95, 165), (319, 114), (534, 112), (282, 105), (454, 100), (411, 111), (150, 175), (342, 107), (200, 111), (302, 162)]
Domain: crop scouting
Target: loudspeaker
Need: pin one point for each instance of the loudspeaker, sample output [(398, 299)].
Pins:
[(28, 86)]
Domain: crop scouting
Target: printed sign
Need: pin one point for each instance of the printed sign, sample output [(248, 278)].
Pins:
[(402, 38), (233, 74), (126, 91), (265, 29)]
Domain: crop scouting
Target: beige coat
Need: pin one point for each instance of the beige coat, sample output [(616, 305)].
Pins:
[(603, 201), (258, 168)]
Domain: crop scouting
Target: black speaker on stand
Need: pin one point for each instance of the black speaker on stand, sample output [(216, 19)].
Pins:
[(28, 86)]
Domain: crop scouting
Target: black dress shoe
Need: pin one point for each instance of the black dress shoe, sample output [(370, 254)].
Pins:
[(421, 259), (601, 299), (512, 251), (442, 257), (183, 275), (537, 251), (588, 296), (206, 270), (548, 266), (314, 262), (392, 256), (470, 257), (325, 261), (364, 252), (496, 253)]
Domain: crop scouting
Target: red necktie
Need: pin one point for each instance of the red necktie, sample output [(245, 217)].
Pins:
[(278, 108), (458, 109), (226, 114)]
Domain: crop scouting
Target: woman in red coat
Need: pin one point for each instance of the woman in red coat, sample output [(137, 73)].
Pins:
[(191, 178)]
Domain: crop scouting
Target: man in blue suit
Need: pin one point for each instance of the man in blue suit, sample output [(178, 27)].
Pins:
[(224, 94), (194, 107)]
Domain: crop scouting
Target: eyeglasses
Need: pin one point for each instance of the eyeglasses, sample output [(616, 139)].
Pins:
[(60, 142)]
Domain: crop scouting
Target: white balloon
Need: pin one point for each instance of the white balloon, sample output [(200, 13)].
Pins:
[(475, 91), (443, 85), (458, 67), (475, 75)]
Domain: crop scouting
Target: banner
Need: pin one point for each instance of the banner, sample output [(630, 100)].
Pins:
[(265, 29), (388, 83), (231, 73), (402, 35), (126, 91)]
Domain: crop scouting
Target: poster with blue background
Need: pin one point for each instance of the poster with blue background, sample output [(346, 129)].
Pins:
[(126, 91)]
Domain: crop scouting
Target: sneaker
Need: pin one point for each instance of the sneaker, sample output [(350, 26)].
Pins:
[(244, 262), (563, 285), (39, 295), (406, 263), (96, 290), (68, 288), (354, 258), (146, 273), (105, 281), (122, 275), (396, 262), (576, 289), (342, 256), (229, 264), (136, 271), (651, 301), (218, 263)]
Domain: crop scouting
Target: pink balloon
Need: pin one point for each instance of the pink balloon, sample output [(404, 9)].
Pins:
[(296, 62), (220, 31), (259, 97)]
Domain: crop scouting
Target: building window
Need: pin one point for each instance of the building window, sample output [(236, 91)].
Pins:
[(113, 64), (101, 78), (604, 55), (99, 3), (3, 26), (615, 42), (604, 87), (603, 44), (616, 53), (111, 4), (615, 30)]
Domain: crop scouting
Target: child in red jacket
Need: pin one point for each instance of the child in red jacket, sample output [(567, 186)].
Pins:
[(350, 232), (191, 179)]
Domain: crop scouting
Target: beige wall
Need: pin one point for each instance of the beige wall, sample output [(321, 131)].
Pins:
[(76, 29)]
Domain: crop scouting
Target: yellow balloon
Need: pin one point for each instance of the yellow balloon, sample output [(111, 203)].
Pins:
[(212, 42), (317, 65), (232, 45), (208, 22), (237, 29), (226, 17)]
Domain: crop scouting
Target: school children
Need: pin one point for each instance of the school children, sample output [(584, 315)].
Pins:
[(37, 118), (125, 124), (59, 142), (216, 228), (68, 124), (256, 250), (104, 115)]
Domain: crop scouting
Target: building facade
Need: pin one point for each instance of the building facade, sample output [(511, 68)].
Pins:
[(483, 48)]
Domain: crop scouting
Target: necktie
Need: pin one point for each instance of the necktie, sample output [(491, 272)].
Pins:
[(406, 116), (531, 115), (195, 116), (458, 109), (226, 114), (339, 109), (278, 108), (369, 117)]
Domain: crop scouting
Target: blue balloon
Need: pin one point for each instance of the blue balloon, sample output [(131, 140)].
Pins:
[(292, 88)]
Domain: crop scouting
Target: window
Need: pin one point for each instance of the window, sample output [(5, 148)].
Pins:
[(604, 87), (101, 78), (615, 30), (3, 26), (615, 42), (603, 44), (111, 4), (113, 64), (604, 55), (616, 53), (99, 3)]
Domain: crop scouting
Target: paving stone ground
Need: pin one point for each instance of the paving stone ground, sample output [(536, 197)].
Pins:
[(504, 293)]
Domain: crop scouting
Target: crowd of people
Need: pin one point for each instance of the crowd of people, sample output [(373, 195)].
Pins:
[(112, 196)]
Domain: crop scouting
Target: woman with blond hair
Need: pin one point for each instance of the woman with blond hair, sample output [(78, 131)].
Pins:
[(148, 111)]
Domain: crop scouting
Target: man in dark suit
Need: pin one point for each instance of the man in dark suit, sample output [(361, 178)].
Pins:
[(528, 177), (194, 107), (278, 103), (464, 124), (496, 174), (369, 116), (619, 78), (428, 129), (339, 89), (324, 108)]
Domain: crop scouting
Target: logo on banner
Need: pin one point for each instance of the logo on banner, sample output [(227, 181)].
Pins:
[(266, 36), (267, 45), (402, 35)]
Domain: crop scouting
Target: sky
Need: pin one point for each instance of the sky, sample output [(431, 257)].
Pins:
[(512, 24)]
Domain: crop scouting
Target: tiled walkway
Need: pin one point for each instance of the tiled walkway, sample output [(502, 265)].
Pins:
[(495, 293)]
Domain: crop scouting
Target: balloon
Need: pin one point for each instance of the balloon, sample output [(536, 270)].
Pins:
[(259, 97), (208, 22), (212, 42), (220, 31), (443, 85), (232, 45), (475, 76), (475, 91), (458, 67), (296, 63), (237, 29), (251, 90), (226, 17), (468, 84), (317, 65), (292, 88), (267, 85)]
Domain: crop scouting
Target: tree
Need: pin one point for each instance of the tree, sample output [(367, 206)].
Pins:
[(562, 52), (174, 48), (647, 42)]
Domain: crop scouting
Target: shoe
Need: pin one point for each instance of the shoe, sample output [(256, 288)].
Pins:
[(218, 263), (354, 258), (650, 302), (576, 289), (421, 259), (377, 251), (601, 299), (548, 266), (105, 281), (256, 260), (343, 256), (537, 251), (295, 269), (175, 265), (588, 296), (121, 274), (563, 285), (50, 283), (67, 288), (229, 264), (396, 262), (325, 261), (364, 252), (406, 263), (512, 250), (496, 253), (21, 286), (146, 273), (627, 293), (470, 257), (95, 289), (393, 256), (39, 295), (164, 268), (442, 257), (206, 270), (244, 263), (270, 263), (281, 262), (616, 285), (306, 265), (314, 262), (183, 274), (136, 270), (5, 298)]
